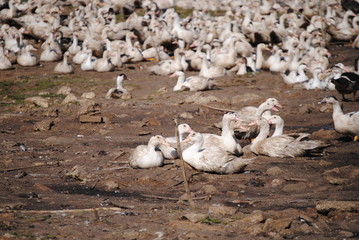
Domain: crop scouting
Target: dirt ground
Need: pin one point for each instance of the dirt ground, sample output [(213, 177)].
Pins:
[(43, 197)]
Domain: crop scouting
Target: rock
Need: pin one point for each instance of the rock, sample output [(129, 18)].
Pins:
[(277, 182), (194, 217), (274, 171), (91, 119), (88, 106), (44, 125), (70, 98), (52, 112), (222, 210), (199, 98), (276, 225), (325, 134), (77, 172), (42, 188), (208, 189), (337, 180), (305, 109), (64, 90), (255, 217), (346, 234), (88, 95), (126, 96), (240, 99), (38, 101), (186, 115), (162, 90), (111, 185), (344, 206), (296, 187), (55, 140)]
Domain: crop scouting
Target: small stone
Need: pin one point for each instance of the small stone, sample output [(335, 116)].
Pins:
[(77, 172), (64, 90), (343, 206), (325, 134), (38, 101), (276, 225), (91, 119), (254, 217), (277, 182), (208, 189), (111, 185), (274, 171), (186, 115), (88, 106), (222, 210), (44, 125), (88, 95), (70, 98), (305, 109), (194, 217)]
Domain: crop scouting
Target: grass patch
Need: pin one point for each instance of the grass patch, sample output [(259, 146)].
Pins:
[(210, 221)]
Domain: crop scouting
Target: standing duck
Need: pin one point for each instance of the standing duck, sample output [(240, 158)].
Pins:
[(148, 156), (344, 123), (345, 83), (212, 158)]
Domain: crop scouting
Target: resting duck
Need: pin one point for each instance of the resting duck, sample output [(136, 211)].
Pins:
[(280, 146), (4, 61), (64, 67), (347, 124), (90, 61), (226, 140), (183, 131), (148, 156), (119, 91), (315, 82), (104, 64), (279, 126), (26, 58), (345, 83), (211, 159), (50, 54), (169, 66), (192, 83), (295, 76)]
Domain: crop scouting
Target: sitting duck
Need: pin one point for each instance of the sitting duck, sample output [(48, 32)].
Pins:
[(344, 123), (64, 67), (211, 158), (280, 146), (192, 83), (119, 91), (148, 156)]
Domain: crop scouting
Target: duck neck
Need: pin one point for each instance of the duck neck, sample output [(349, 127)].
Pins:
[(191, 153), (337, 110), (278, 129), (263, 133)]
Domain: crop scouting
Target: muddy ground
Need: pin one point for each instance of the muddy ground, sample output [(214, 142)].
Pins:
[(43, 197)]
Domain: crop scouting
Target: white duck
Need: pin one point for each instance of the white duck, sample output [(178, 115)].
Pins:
[(90, 62), (119, 91), (315, 82), (344, 123), (279, 126), (209, 70), (183, 131), (50, 54), (169, 66), (4, 61), (226, 140), (26, 58), (104, 64), (295, 76), (280, 146), (148, 156), (64, 67), (211, 159), (193, 83)]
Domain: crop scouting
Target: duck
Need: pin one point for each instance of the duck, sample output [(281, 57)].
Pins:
[(183, 130), (345, 83), (26, 58), (295, 76), (74, 47), (81, 55), (148, 156), (64, 67), (50, 54), (315, 82), (344, 123), (4, 61), (279, 127), (280, 146), (226, 140), (167, 67), (90, 62), (213, 158), (119, 91), (104, 64), (192, 83), (209, 70)]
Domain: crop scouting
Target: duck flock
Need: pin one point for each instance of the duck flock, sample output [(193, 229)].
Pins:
[(216, 38)]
